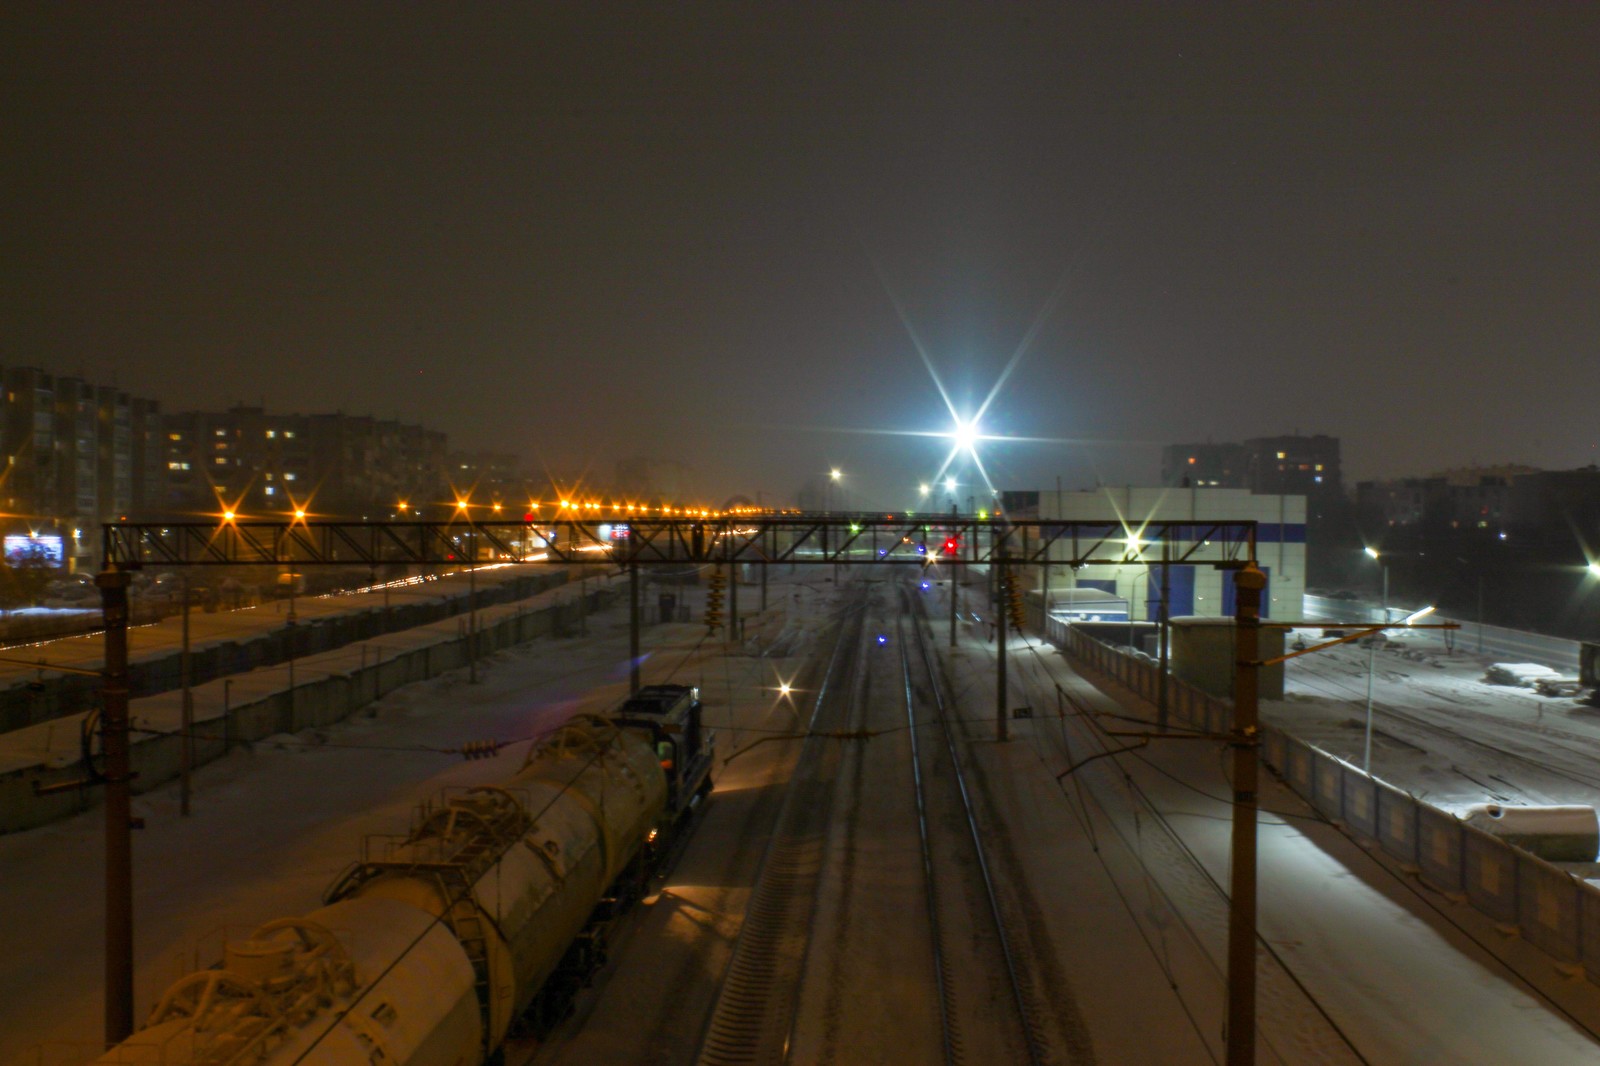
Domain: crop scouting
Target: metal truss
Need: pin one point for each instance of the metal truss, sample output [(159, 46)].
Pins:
[(948, 540)]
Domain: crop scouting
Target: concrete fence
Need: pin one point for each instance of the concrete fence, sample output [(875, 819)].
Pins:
[(1552, 909), (326, 696), (56, 695)]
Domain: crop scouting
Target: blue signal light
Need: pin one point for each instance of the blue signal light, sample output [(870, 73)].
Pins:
[(882, 640), (926, 586)]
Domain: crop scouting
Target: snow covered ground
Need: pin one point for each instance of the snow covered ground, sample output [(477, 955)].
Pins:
[(273, 825), (1439, 729), (1122, 865)]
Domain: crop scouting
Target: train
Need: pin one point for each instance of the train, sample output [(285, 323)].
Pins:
[(479, 924)]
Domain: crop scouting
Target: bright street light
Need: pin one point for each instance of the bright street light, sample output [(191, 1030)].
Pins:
[(1594, 568), (966, 435)]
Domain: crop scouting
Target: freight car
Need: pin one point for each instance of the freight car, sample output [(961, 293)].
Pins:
[(484, 918)]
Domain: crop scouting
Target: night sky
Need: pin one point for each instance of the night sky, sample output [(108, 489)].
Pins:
[(584, 231)]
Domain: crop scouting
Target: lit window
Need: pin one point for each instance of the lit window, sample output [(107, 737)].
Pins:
[(288, 477), (174, 436), (269, 476), (271, 434), (1281, 455), (1317, 479), (222, 460), (1191, 460), (224, 433), (1319, 467), (270, 490), (289, 433)]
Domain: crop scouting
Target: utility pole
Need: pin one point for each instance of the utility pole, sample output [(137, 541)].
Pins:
[(1001, 732), (288, 724), (1245, 740), (955, 575), (186, 732), (113, 584), (1164, 635), (633, 628), (472, 616)]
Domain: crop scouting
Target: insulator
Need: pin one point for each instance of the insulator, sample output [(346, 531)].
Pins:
[(481, 749)]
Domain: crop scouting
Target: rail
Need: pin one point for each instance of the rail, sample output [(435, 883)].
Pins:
[(1036, 1049)]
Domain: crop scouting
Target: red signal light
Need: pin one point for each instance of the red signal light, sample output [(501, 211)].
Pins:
[(951, 544)]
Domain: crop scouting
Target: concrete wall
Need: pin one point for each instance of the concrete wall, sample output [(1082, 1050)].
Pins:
[(327, 698), (53, 695), (1554, 910)]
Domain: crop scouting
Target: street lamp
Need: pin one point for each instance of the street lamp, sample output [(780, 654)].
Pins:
[(1372, 660), (472, 594), (833, 479)]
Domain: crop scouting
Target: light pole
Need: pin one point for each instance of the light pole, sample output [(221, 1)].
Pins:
[(1372, 661), (834, 495), (1133, 602), (472, 595)]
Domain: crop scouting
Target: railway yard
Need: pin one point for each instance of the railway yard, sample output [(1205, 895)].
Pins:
[(876, 879)]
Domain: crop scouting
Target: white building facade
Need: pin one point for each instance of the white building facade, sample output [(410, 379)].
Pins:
[(1191, 590)]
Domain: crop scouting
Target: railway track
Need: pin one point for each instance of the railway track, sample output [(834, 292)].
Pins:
[(877, 930), (965, 1005), (753, 1016)]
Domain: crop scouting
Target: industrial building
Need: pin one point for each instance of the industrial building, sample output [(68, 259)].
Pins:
[(1133, 591)]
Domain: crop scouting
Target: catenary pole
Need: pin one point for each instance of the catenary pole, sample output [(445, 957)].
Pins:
[(186, 739), (113, 586), (997, 569), (1244, 740), (633, 628), (1164, 635)]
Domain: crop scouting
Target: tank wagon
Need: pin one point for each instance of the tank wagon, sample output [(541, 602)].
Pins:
[(485, 918)]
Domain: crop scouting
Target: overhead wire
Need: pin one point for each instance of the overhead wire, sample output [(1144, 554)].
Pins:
[(1142, 799)]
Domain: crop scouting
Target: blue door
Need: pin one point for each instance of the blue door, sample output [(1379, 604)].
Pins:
[(1180, 592)]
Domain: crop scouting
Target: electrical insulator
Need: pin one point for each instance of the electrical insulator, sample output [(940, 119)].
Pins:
[(714, 586), (1014, 606)]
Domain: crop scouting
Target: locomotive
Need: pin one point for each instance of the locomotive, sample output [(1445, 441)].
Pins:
[(482, 921)]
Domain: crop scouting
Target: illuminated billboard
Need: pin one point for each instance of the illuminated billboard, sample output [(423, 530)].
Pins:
[(23, 550)]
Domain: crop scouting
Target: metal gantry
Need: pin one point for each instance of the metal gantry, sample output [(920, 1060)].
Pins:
[(646, 541)]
